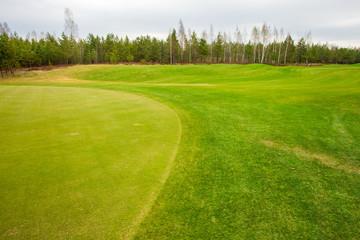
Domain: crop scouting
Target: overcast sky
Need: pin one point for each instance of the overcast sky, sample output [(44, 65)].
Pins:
[(333, 21)]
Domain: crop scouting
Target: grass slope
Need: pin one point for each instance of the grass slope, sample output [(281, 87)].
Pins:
[(80, 163), (266, 152)]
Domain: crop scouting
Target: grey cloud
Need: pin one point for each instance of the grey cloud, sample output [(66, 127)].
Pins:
[(333, 21)]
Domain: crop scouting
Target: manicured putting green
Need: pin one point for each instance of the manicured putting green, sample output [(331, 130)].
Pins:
[(80, 163)]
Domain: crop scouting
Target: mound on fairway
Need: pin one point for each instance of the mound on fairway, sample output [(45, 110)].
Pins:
[(80, 163)]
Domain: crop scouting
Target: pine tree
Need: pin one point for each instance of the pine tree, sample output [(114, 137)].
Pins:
[(218, 47), (203, 49)]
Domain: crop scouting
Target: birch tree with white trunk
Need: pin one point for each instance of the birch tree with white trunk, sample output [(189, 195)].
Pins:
[(230, 47), (238, 38), (265, 38), (170, 47), (190, 44), (225, 45), (281, 41), (255, 37), (308, 42), (244, 39), (287, 47), (275, 43), (211, 41), (182, 38)]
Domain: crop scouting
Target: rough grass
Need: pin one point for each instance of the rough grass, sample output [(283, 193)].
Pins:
[(266, 152)]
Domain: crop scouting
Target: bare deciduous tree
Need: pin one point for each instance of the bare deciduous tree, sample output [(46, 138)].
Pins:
[(238, 38), (308, 42), (4, 28), (255, 37), (281, 41), (230, 47), (275, 43), (190, 43), (244, 39), (71, 28), (265, 38), (170, 47), (225, 45), (287, 47), (204, 35), (34, 35), (182, 39), (211, 41)]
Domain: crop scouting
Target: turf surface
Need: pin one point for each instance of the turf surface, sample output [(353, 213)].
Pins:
[(265, 153), (80, 163)]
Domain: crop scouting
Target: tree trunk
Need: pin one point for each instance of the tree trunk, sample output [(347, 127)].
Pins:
[(190, 54), (171, 60), (230, 52), (278, 61), (287, 46), (224, 52), (263, 54), (254, 61)]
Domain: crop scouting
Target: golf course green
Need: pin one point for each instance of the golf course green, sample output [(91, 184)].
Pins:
[(80, 163), (181, 152)]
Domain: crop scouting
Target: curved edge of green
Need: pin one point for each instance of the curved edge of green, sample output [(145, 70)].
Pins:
[(154, 195), (133, 227)]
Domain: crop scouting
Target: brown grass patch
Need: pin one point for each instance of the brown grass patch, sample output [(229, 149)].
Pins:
[(36, 77), (180, 84), (323, 159)]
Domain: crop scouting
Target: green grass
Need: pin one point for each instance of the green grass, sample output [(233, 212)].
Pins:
[(265, 153), (80, 163)]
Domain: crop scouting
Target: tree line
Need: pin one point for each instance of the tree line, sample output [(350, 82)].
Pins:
[(263, 44)]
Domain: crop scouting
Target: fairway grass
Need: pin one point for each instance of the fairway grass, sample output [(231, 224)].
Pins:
[(80, 163), (266, 152)]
